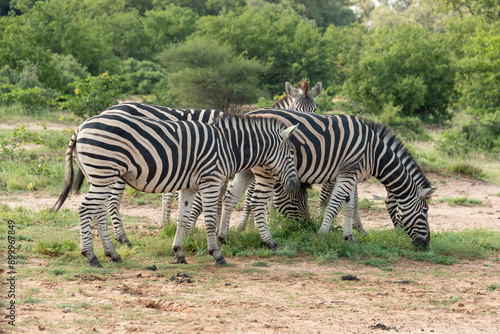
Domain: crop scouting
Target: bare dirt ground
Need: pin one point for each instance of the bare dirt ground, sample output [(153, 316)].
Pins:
[(295, 295)]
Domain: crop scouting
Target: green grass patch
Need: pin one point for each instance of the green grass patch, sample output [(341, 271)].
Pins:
[(463, 201), (55, 247)]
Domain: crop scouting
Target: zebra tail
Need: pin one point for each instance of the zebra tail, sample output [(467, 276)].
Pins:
[(77, 184), (68, 171)]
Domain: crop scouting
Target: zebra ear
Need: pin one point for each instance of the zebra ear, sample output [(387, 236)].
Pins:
[(316, 90), (290, 90), (426, 193), (285, 134)]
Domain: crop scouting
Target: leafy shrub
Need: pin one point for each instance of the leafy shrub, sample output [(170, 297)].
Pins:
[(55, 248), (405, 66), (480, 134), (141, 77), (92, 95)]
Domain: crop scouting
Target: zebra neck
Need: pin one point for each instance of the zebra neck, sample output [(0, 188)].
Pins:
[(391, 171), (246, 149)]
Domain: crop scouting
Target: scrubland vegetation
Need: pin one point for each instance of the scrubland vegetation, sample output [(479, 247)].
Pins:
[(429, 69)]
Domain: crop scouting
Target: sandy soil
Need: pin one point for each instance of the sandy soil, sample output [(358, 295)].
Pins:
[(295, 295)]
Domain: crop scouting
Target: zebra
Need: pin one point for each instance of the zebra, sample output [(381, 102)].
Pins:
[(160, 113), (156, 156), (390, 202), (297, 99), (346, 150)]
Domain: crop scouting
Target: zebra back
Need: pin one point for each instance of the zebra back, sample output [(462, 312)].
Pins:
[(165, 113)]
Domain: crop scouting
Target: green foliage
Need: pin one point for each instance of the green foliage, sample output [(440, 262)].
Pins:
[(478, 67), (405, 66), (482, 134), (92, 95), (142, 77), (277, 36), (206, 74), (168, 26), (55, 248)]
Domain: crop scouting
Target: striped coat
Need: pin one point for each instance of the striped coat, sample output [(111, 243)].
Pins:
[(345, 150), (157, 156)]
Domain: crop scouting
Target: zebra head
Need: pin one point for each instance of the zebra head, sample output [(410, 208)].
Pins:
[(302, 100), (283, 163), (413, 217)]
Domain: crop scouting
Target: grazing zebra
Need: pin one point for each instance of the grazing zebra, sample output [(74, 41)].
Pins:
[(297, 99), (391, 204), (156, 156), (155, 112), (346, 150)]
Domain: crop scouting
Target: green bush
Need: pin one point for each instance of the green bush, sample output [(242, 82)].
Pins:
[(207, 74), (141, 77), (92, 95), (481, 134), (405, 66)]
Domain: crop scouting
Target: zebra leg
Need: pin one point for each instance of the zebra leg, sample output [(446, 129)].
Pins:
[(196, 210), (92, 208), (357, 225), (210, 197), (219, 206), (344, 185), (240, 183), (325, 195), (348, 207), (186, 197), (114, 201), (247, 212), (262, 194), (166, 205)]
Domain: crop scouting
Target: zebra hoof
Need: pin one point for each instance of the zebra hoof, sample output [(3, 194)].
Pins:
[(351, 238), (180, 260), (117, 259), (220, 262), (222, 240), (271, 244), (95, 263), (124, 241)]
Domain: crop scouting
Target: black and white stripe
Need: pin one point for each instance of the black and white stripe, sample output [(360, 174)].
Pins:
[(346, 150), (299, 99), (160, 113), (296, 206), (163, 156), (391, 204)]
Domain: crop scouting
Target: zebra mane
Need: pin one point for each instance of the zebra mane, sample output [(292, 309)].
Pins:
[(396, 144), (305, 87), (226, 121)]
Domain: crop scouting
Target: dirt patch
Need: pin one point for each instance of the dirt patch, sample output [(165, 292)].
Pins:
[(295, 295)]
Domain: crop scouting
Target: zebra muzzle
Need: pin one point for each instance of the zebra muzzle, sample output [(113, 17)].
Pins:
[(292, 184)]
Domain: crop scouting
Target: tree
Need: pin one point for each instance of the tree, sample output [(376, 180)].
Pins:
[(324, 12), (207, 74), (274, 34), (405, 66), (487, 8)]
